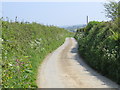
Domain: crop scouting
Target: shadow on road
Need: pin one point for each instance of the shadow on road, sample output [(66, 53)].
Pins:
[(92, 72)]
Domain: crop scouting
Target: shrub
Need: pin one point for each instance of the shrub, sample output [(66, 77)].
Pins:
[(100, 49), (90, 25)]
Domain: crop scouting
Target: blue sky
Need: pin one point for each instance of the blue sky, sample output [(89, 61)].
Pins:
[(55, 13)]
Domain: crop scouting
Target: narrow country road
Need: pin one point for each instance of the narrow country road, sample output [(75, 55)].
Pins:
[(63, 68)]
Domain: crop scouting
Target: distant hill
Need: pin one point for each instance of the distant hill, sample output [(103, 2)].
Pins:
[(73, 28)]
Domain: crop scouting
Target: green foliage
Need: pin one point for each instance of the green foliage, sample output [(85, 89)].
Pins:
[(100, 49), (0, 54), (90, 25), (25, 45), (111, 10), (119, 14)]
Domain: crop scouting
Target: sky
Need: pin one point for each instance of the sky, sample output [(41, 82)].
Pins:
[(55, 13)]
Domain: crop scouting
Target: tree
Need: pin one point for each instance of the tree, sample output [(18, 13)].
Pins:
[(111, 10), (119, 13)]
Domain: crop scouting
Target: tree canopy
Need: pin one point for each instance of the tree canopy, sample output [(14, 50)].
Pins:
[(111, 9)]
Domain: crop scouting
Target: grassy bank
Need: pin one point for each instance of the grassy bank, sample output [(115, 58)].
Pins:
[(24, 46), (99, 46)]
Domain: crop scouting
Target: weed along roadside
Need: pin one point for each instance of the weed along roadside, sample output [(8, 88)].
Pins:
[(25, 45)]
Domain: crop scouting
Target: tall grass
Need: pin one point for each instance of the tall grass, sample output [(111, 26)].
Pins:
[(24, 46)]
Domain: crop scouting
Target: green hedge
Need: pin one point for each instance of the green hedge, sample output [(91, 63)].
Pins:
[(25, 45), (90, 25), (100, 49)]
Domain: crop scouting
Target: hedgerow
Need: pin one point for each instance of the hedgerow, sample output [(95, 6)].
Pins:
[(100, 48), (24, 46)]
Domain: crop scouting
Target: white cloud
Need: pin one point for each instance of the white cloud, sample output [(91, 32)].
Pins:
[(56, 0)]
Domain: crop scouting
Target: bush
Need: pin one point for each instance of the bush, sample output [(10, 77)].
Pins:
[(90, 25), (100, 49)]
